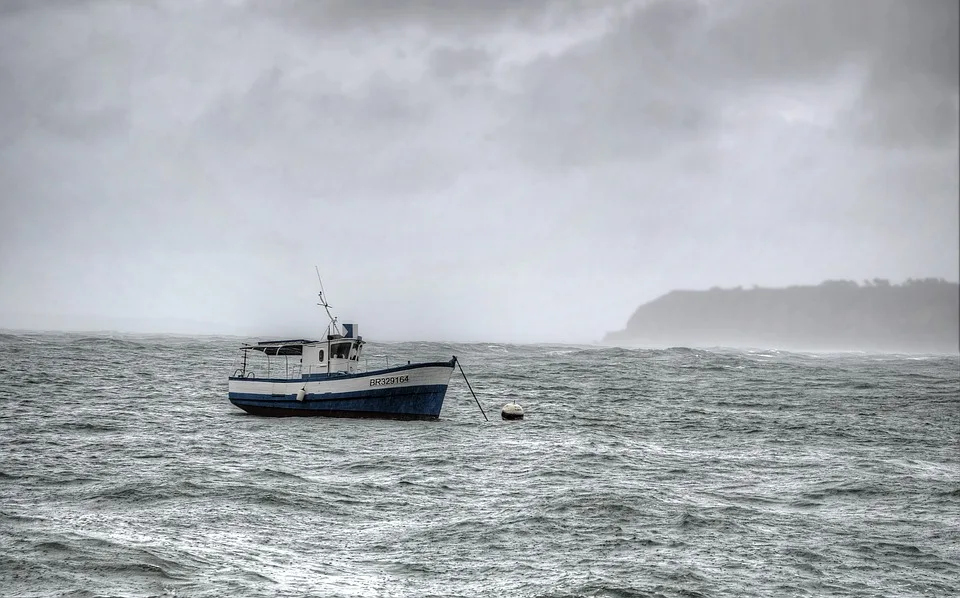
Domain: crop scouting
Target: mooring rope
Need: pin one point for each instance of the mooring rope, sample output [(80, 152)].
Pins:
[(470, 387)]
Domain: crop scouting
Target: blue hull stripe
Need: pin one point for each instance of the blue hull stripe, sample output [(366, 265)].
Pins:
[(345, 376), (421, 401)]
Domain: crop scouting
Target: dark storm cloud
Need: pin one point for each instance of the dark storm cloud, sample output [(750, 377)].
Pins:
[(11, 7), (908, 51), (666, 73), (290, 135), (450, 62), (625, 95), (440, 17), (41, 97)]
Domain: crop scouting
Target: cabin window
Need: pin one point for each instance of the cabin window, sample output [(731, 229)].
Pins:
[(341, 350), (320, 355)]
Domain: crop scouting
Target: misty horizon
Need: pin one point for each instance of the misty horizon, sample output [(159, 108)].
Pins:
[(462, 172), (677, 338)]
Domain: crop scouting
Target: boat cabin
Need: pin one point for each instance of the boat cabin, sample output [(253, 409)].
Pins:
[(335, 355), (338, 354)]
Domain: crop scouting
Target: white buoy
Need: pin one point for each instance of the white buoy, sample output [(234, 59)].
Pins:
[(511, 411), (302, 393)]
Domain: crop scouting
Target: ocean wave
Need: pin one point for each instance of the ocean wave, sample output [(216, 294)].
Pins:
[(640, 471)]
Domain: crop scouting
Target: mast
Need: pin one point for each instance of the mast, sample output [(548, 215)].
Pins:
[(332, 327)]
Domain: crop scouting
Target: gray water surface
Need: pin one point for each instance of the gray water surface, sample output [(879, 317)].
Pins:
[(124, 471)]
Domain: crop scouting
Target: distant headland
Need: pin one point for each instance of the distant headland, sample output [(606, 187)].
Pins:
[(842, 315)]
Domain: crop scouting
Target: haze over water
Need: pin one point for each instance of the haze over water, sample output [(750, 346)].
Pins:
[(125, 471)]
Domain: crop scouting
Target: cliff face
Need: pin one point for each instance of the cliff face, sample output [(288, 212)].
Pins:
[(917, 316)]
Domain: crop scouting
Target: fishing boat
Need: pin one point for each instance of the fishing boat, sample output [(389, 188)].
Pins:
[(326, 379)]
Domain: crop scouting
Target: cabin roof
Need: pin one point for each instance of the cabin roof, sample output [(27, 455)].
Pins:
[(284, 347)]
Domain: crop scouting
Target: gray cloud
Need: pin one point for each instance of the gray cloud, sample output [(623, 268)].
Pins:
[(908, 52), (451, 62), (487, 157), (605, 102), (288, 133), (438, 17), (669, 71)]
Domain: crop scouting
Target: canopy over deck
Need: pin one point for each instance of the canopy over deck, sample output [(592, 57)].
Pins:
[(286, 347)]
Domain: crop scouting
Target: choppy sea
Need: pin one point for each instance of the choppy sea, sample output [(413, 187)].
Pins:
[(125, 471)]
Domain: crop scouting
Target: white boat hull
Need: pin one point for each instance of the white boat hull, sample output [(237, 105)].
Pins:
[(413, 391)]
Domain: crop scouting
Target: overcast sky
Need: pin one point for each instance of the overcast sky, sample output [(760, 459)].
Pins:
[(463, 170)]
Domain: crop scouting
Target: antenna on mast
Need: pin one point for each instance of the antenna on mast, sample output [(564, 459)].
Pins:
[(326, 306)]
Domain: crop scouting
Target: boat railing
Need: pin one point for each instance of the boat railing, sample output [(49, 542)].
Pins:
[(290, 370)]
